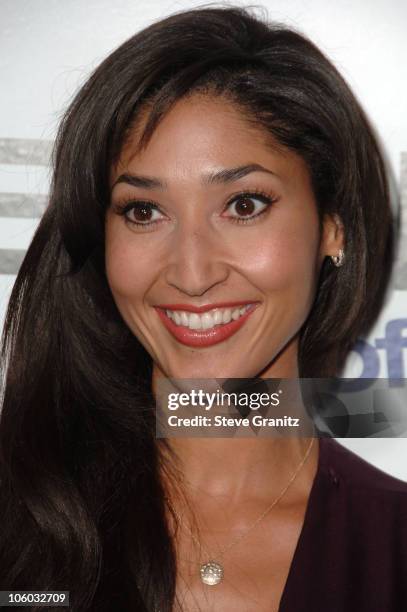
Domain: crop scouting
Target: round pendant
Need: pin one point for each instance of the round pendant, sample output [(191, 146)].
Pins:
[(211, 573)]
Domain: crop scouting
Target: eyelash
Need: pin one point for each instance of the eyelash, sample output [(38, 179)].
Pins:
[(122, 208)]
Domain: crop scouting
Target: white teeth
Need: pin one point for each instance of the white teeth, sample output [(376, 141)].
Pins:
[(177, 318), (194, 321), (235, 314), (206, 320), (217, 317), (227, 316)]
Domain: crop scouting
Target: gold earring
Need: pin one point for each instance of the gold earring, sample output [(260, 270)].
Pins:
[(338, 260)]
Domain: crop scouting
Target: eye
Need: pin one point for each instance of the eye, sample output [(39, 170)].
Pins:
[(138, 212), (249, 205)]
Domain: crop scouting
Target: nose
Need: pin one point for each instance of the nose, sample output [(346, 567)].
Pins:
[(197, 261)]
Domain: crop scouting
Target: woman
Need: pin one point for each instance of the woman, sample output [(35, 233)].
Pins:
[(219, 208)]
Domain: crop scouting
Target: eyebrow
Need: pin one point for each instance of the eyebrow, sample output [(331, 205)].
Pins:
[(225, 176)]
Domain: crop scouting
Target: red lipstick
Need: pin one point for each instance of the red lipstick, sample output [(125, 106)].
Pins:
[(205, 337)]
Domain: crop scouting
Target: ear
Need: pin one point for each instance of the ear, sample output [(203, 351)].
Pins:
[(333, 236)]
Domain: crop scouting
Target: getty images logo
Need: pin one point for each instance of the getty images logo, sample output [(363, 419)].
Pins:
[(393, 344)]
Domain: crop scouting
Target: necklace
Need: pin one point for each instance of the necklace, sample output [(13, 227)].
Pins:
[(212, 572)]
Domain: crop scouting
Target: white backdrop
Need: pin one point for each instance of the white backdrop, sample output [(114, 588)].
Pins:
[(47, 49)]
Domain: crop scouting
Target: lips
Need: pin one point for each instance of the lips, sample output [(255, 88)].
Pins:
[(204, 337)]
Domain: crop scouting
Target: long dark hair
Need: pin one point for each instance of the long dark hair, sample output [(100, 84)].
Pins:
[(82, 502)]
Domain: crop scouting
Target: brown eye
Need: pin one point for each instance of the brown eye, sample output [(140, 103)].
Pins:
[(140, 213), (244, 206), (248, 206)]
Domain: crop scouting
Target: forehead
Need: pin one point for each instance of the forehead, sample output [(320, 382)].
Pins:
[(201, 130)]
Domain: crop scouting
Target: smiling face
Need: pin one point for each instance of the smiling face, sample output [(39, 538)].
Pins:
[(213, 245)]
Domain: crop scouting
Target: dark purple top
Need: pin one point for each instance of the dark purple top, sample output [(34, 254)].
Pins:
[(351, 555)]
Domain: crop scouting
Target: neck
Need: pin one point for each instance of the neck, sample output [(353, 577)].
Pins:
[(258, 467), (234, 469)]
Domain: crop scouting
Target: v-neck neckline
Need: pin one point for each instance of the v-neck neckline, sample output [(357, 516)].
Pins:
[(312, 499)]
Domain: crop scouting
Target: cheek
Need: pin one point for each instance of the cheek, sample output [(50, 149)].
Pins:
[(283, 260), (127, 266)]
